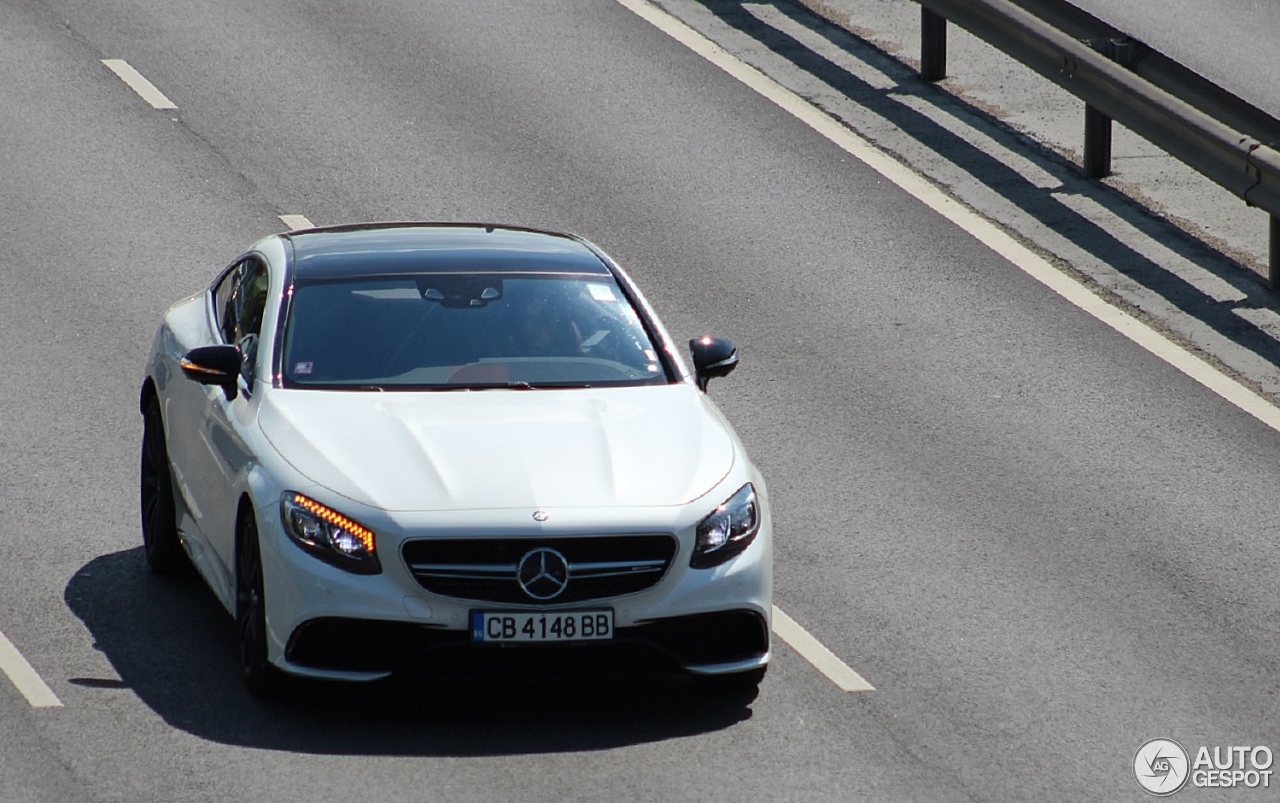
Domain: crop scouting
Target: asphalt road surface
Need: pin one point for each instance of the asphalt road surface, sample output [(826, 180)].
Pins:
[(1039, 542)]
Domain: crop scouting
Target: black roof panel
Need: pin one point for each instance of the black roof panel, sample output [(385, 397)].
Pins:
[(389, 249)]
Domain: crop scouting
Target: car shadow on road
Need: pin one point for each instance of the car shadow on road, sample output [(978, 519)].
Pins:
[(175, 647)]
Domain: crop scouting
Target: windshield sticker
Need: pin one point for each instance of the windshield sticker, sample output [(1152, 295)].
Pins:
[(303, 368), (601, 292)]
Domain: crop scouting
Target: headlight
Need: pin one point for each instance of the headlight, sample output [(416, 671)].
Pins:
[(328, 535), (728, 530)]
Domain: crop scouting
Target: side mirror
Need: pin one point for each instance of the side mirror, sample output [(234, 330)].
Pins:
[(214, 365), (712, 357)]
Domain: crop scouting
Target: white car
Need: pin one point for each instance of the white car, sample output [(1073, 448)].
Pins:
[(452, 448)]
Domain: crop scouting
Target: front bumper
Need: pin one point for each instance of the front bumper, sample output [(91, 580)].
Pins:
[(327, 623)]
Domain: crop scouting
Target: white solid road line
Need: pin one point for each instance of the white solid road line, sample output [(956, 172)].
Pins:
[(985, 232), (24, 678), (813, 651), (145, 89), (295, 222)]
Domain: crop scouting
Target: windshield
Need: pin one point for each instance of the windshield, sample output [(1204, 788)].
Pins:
[(465, 330)]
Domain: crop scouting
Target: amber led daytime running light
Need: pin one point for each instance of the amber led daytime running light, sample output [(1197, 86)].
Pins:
[(337, 520), (188, 365)]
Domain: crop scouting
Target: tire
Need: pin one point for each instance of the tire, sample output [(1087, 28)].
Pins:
[(261, 678), (159, 513), (738, 687)]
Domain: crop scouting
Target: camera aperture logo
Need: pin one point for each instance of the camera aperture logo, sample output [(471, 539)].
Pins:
[(1162, 767)]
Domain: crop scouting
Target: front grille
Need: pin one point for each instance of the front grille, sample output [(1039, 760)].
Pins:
[(486, 569)]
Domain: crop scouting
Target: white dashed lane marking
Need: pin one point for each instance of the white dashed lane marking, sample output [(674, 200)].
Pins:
[(145, 89), (813, 651), (295, 222), (24, 678)]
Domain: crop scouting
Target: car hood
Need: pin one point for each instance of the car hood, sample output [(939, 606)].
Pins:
[(461, 450)]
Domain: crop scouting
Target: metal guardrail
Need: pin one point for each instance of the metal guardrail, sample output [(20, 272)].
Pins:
[(1211, 130)]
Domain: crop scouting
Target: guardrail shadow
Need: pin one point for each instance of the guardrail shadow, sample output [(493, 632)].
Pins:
[(1039, 203), (175, 647)]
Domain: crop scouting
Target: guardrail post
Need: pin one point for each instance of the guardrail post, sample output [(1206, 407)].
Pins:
[(933, 45), (1097, 143), (1273, 272), (1097, 126)]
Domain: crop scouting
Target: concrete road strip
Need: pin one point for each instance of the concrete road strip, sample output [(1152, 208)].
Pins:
[(24, 678), (984, 231), (145, 89), (813, 651), (295, 222)]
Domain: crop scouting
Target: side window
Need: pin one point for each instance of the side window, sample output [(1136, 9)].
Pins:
[(251, 303), (224, 304), (239, 302)]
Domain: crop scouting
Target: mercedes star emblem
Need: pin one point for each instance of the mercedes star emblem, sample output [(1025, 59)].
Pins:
[(540, 515), (543, 573)]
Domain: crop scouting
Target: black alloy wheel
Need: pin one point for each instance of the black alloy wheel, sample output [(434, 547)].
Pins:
[(260, 677), (159, 513)]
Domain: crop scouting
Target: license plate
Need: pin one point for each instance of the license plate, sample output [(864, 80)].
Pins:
[(534, 627)]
